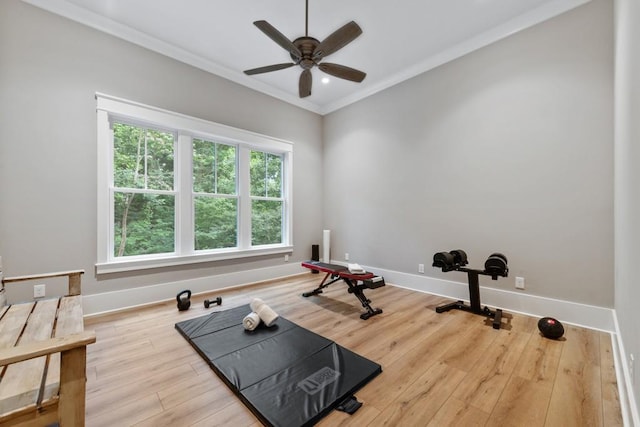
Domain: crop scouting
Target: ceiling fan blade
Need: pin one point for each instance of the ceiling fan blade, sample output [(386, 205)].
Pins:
[(342, 72), (269, 68), (304, 86), (278, 37), (337, 40)]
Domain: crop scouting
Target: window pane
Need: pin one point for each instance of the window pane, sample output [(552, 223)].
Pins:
[(274, 175), (215, 222), (203, 166), (159, 160), (128, 152), (257, 172), (266, 174), (226, 159), (142, 158), (266, 222), (143, 224), (214, 167)]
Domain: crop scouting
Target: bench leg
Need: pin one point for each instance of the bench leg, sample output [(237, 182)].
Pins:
[(322, 285), (73, 378), (358, 291)]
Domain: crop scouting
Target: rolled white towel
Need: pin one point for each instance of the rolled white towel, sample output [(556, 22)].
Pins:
[(255, 304), (251, 321), (267, 315)]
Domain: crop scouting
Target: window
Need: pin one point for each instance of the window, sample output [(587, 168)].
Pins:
[(174, 189)]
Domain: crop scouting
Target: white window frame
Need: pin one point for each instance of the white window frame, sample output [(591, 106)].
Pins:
[(110, 109)]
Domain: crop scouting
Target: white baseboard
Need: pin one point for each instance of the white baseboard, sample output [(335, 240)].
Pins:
[(94, 304), (630, 414), (589, 316)]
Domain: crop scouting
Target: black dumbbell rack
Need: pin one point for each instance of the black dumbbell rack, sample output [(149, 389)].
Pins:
[(474, 297)]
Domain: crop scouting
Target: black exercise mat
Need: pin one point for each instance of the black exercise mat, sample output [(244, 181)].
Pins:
[(286, 375)]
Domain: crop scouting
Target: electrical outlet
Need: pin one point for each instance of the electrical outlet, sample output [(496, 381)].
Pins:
[(519, 282), (420, 268), (39, 291), (286, 257), (346, 256), (631, 369)]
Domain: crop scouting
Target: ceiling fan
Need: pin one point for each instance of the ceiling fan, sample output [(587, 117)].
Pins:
[(307, 52)]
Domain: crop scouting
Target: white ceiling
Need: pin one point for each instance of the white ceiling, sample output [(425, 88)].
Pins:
[(401, 38)]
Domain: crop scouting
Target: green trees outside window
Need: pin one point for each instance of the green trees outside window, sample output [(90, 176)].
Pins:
[(266, 198), (215, 195), (143, 197)]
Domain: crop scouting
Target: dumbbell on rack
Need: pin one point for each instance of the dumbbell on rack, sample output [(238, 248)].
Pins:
[(495, 266)]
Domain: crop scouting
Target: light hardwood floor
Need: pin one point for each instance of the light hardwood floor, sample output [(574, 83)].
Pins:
[(438, 369)]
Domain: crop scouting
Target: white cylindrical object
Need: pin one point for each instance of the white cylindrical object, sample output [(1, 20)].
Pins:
[(326, 245), (267, 315), (255, 304), (251, 321)]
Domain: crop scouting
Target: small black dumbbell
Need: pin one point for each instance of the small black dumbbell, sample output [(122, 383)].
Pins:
[(208, 302)]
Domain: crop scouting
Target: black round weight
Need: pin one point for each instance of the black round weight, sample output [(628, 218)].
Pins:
[(443, 260), (499, 255), (550, 327), (184, 300), (496, 265), (216, 301), (459, 257)]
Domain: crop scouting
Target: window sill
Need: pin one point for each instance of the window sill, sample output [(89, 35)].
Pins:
[(173, 260)]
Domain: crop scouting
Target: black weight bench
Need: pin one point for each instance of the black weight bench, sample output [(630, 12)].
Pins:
[(339, 272)]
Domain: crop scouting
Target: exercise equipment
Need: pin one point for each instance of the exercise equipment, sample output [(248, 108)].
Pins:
[(550, 327), (496, 265), (456, 260), (286, 375), (184, 300), (209, 302), (339, 272)]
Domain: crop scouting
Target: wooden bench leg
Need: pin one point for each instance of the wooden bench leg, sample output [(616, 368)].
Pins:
[(73, 377)]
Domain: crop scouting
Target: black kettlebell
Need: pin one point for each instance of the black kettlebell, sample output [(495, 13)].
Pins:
[(550, 327), (184, 300)]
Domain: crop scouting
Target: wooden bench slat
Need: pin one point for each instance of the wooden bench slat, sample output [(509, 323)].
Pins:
[(12, 324), (69, 322), (42, 276), (21, 381)]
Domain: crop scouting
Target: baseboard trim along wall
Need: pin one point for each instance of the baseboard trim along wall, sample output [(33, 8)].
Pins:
[(106, 302), (630, 414), (589, 316)]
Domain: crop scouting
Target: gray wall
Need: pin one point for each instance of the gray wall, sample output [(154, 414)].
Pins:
[(627, 177), (50, 69), (507, 149)]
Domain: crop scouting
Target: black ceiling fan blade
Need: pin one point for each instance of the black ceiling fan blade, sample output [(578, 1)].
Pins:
[(342, 72), (278, 37), (337, 40), (269, 68), (304, 86)]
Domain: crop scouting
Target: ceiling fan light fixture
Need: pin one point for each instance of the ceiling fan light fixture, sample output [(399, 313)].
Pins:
[(308, 52)]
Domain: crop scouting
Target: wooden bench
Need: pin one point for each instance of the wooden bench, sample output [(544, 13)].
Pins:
[(43, 349)]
